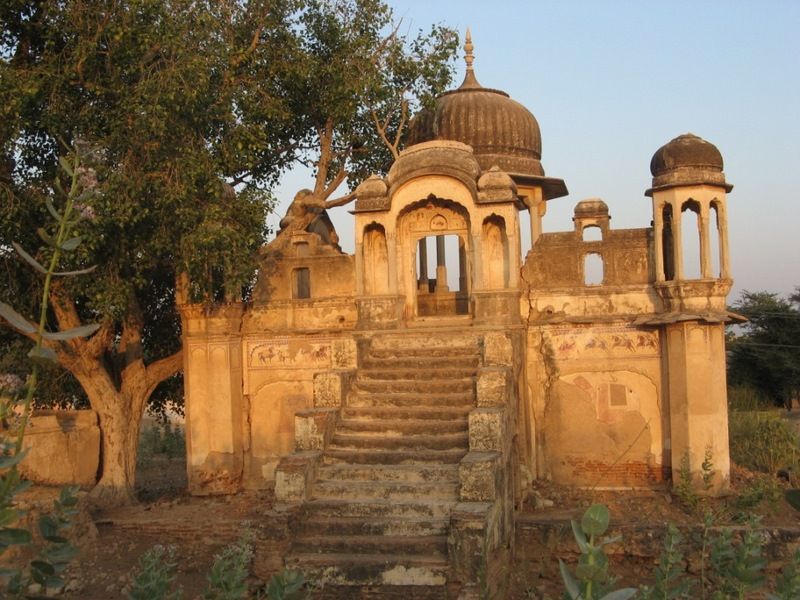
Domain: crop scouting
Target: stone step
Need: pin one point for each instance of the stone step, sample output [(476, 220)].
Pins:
[(402, 426), (360, 441), (425, 545), (328, 489), (394, 413), (426, 373), (419, 509), (333, 456), (420, 361), (420, 473), (409, 398), (415, 386), (378, 526), (379, 570)]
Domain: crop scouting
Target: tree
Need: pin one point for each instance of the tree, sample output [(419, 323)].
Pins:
[(184, 113), (156, 96), (766, 354)]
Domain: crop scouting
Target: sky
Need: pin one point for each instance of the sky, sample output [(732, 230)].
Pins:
[(611, 81)]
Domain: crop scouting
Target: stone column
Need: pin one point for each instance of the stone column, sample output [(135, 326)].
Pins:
[(658, 239), (705, 242), (423, 265), (214, 403), (441, 268), (722, 229), (462, 265), (698, 403)]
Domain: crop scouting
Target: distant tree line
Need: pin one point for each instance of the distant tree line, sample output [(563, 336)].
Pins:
[(764, 352)]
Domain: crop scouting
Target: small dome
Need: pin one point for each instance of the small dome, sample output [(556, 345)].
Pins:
[(500, 130), (373, 186), (686, 151), (687, 160)]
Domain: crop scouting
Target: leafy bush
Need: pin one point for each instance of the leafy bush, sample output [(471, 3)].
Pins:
[(744, 398), (762, 441), (228, 577), (592, 579), (155, 578)]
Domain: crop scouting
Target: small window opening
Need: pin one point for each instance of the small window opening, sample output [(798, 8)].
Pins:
[(301, 283), (691, 234), (592, 233), (593, 269)]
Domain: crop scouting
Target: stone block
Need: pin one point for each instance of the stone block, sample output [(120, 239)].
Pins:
[(493, 386), (329, 389), (497, 350), (63, 448), (477, 474), (294, 477), (313, 428), (488, 430)]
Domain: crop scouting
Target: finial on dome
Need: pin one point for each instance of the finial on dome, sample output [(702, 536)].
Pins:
[(468, 48), (469, 78)]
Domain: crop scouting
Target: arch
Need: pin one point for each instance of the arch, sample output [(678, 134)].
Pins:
[(593, 269), (691, 221), (428, 231), (375, 260), (592, 233), (495, 251)]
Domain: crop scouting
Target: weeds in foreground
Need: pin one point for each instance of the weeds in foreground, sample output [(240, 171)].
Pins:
[(732, 565), (43, 574), (156, 578)]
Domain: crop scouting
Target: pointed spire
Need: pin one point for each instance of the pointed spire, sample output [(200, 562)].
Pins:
[(470, 81), (468, 48)]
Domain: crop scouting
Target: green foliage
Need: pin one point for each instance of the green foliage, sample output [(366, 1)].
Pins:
[(55, 551), (287, 585), (762, 441), (787, 585), (592, 579), (684, 489), (161, 439), (793, 498), (745, 398), (228, 577), (764, 355), (671, 582), (736, 568), (155, 578), (762, 489)]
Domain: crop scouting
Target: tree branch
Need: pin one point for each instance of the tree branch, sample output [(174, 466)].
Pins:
[(340, 201), (162, 369)]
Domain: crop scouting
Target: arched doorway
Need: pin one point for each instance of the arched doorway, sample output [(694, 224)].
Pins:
[(436, 250)]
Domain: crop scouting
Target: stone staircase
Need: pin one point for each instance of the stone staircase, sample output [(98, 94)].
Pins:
[(387, 479)]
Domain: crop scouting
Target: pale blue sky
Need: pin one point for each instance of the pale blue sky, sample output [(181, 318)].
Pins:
[(611, 81)]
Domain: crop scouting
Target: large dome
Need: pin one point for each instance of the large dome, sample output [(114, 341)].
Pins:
[(501, 131)]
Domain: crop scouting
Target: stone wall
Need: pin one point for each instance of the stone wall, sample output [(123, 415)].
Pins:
[(63, 448)]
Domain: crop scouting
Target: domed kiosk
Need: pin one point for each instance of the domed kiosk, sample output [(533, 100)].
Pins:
[(403, 399)]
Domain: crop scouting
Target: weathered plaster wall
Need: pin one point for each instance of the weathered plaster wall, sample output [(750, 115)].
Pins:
[(278, 383), (595, 396)]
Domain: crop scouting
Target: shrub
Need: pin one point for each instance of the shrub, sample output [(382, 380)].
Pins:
[(762, 441)]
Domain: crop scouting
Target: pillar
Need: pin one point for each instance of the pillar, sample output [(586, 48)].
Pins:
[(698, 403), (441, 267), (423, 265)]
